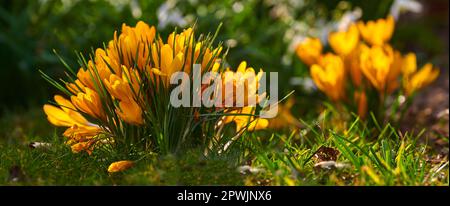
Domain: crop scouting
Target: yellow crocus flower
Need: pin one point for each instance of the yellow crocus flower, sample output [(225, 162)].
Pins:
[(377, 32), (76, 87), (178, 42), (179, 54), (67, 116), (246, 78), (83, 146), (89, 103), (104, 64), (329, 76), (420, 79), (409, 65), (118, 88), (169, 63), (209, 57), (309, 50), (132, 43), (245, 119), (86, 77), (375, 63), (120, 166), (256, 124), (130, 112), (183, 43), (78, 133), (344, 42)]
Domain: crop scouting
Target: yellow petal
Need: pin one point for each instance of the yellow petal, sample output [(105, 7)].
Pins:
[(130, 112), (242, 67), (422, 78), (329, 76), (176, 64), (57, 116), (258, 124), (70, 110), (316, 74), (166, 58), (64, 103), (344, 42), (409, 64), (377, 32)]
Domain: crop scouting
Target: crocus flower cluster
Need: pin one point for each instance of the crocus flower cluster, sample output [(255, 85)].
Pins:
[(363, 67), (119, 99)]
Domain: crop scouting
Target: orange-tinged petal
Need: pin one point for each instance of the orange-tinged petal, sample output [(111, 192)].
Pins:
[(89, 103), (82, 146), (118, 88), (82, 132), (361, 101), (120, 166), (131, 112)]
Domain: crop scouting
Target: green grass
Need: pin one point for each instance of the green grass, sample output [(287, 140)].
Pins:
[(367, 155), (389, 158), (58, 166)]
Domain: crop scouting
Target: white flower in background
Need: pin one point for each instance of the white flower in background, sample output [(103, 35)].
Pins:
[(300, 30), (295, 38), (231, 43), (246, 168), (238, 7), (295, 34), (306, 83), (168, 14), (284, 10), (136, 10), (331, 165), (401, 6), (348, 18), (322, 29), (281, 11), (341, 24), (118, 4)]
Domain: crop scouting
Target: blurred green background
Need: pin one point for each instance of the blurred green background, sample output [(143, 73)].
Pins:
[(262, 32)]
